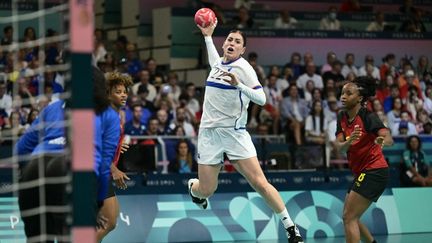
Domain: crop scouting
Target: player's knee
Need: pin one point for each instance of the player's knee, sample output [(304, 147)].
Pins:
[(111, 224), (260, 186), (348, 217)]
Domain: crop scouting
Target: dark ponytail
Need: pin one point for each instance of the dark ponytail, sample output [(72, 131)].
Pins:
[(366, 87)]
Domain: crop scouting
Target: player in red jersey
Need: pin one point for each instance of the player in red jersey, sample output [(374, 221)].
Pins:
[(362, 135)]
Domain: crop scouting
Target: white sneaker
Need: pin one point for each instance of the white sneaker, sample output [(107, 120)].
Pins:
[(201, 202)]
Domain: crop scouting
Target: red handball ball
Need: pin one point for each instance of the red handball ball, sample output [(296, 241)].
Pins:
[(204, 17)]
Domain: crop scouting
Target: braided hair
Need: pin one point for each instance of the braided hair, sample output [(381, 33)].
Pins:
[(366, 87)]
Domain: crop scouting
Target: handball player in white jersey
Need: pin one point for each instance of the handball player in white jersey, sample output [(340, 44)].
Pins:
[(230, 86)]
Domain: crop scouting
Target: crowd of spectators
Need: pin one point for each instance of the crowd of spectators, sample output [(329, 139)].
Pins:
[(411, 17), (302, 96)]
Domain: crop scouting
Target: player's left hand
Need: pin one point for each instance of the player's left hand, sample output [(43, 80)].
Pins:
[(380, 141), (119, 178), (230, 78), (124, 147)]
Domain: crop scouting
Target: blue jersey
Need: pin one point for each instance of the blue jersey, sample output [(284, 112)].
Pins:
[(46, 134), (107, 134)]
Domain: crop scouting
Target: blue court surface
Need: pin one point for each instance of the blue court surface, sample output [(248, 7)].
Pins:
[(395, 238)]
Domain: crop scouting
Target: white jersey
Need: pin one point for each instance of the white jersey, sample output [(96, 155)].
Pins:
[(226, 105)]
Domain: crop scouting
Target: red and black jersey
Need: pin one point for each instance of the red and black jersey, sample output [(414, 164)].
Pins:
[(363, 154), (119, 146)]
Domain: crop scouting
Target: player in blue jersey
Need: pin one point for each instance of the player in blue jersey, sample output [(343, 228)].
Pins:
[(230, 86), (45, 141)]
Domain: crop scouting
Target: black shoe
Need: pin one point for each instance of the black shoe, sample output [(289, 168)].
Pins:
[(293, 235), (201, 202)]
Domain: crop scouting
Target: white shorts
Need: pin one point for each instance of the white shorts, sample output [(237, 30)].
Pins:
[(214, 142)]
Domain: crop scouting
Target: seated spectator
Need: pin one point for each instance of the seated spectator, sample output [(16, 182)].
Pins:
[(388, 101), (414, 23), (307, 92), (427, 104), (427, 128), (295, 64), (331, 57), (378, 24), (184, 161), (192, 104), (421, 120), (273, 99), (310, 74), (243, 19), (5, 99), (349, 66), (335, 75), (388, 67), (164, 128), (285, 21), (294, 111), (405, 126), (135, 127), (394, 115), (369, 60), (259, 70), (408, 81), (144, 79), (383, 90), (7, 35), (171, 88), (413, 103), (330, 22), (423, 66), (181, 120), (316, 125), (415, 164)]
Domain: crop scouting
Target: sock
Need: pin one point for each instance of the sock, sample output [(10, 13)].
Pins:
[(285, 218), (374, 241), (192, 191)]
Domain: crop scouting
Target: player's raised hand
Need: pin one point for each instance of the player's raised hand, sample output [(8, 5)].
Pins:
[(208, 31), (355, 135)]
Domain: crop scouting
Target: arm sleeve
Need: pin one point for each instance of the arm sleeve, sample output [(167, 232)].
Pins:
[(29, 140), (250, 86), (110, 138), (373, 123), (256, 94), (213, 55)]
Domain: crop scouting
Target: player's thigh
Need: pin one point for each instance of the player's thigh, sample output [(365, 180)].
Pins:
[(238, 144), (210, 150), (110, 209)]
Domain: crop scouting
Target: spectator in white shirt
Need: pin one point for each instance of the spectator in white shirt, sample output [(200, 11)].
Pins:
[(349, 66), (285, 21), (310, 75), (330, 22)]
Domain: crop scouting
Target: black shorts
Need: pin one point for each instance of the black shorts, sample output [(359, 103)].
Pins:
[(371, 183), (111, 189)]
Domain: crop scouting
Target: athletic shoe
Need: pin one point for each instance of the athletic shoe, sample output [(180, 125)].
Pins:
[(201, 202), (293, 235)]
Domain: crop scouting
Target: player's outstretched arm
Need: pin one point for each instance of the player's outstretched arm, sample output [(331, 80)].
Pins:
[(213, 55)]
